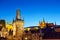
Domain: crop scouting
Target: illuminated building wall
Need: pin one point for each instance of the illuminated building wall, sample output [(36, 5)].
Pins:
[(9, 26), (42, 24)]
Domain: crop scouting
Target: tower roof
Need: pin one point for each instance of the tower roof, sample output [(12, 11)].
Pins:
[(18, 16)]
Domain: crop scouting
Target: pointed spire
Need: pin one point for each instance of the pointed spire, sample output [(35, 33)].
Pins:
[(18, 14), (43, 19), (23, 18), (55, 23), (13, 20), (39, 22)]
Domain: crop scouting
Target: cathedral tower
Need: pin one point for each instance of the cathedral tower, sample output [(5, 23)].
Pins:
[(43, 24), (18, 25)]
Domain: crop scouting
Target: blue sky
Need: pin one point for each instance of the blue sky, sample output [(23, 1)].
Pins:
[(32, 11)]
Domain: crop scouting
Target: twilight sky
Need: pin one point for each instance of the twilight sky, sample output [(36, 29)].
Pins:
[(32, 11)]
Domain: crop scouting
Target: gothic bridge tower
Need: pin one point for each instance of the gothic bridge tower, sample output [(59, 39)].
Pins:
[(18, 25)]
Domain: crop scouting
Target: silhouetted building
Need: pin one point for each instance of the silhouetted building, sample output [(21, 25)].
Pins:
[(2, 24), (49, 24)]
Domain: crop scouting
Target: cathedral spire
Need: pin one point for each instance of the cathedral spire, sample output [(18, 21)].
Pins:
[(39, 23), (55, 23), (43, 20), (17, 14)]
